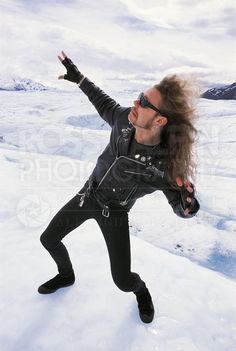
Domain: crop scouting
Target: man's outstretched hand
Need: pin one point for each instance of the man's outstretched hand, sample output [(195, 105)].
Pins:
[(73, 74), (187, 194)]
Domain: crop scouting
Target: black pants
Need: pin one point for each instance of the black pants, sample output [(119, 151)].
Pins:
[(115, 230)]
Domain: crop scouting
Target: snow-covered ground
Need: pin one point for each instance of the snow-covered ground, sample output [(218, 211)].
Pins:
[(49, 144)]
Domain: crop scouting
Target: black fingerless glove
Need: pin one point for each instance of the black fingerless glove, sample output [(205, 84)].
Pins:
[(73, 74), (184, 194)]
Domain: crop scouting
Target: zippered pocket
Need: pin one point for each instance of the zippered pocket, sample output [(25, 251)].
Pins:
[(143, 174)]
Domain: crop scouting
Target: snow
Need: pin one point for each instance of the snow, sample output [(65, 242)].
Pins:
[(49, 145), (195, 307)]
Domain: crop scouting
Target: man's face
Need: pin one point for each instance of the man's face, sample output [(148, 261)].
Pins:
[(146, 117)]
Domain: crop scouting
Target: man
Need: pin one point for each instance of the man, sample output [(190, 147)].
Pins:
[(149, 150)]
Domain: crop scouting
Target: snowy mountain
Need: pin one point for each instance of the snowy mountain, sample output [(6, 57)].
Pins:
[(17, 83), (227, 92)]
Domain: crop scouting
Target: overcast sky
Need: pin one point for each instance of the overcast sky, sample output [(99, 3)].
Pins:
[(119, 42)]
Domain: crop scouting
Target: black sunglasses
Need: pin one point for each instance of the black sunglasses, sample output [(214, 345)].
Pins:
[(145, 103)]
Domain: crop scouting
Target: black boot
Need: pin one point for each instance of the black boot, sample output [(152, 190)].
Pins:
[(56, 283), (145, 305)]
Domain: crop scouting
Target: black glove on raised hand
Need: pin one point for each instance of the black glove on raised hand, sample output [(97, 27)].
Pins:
[(73, 74)]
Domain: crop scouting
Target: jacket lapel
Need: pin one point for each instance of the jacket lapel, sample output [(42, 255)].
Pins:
[(125, 139)]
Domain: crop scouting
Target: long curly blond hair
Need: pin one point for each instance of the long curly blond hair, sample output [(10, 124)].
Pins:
[(178, 104)]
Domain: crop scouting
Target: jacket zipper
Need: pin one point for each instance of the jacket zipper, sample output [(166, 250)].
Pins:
[(111, 164), (105, 211), (123, 203), (117, 158), (106, 173)]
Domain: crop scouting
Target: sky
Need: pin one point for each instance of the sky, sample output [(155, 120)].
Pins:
[(119, 44)]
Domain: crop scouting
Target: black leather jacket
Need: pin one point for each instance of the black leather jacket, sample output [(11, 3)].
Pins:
[(118, 180)]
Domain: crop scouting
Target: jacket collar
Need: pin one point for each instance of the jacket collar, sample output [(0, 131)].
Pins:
[(126, 137)]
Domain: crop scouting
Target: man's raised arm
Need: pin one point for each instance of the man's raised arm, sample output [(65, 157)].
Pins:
[(107, 107)]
